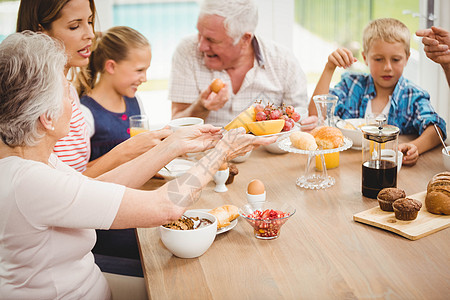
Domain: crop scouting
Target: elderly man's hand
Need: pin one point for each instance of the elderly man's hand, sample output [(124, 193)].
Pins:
[(213, 101)]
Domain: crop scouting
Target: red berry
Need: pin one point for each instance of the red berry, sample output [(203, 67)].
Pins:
[(295, 116), (287, 126), (275, 114), (259, 108), (261, 116), (289, 110)]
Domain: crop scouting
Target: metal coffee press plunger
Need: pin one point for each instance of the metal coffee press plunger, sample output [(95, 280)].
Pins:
[(379, 157)]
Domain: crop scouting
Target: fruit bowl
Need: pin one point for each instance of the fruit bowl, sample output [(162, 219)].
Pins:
[(267, 219), (266, 127)]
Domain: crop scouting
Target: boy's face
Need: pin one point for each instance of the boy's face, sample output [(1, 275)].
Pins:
[(386, 62)]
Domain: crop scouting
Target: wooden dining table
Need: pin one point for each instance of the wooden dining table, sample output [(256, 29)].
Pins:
[(321, 253)]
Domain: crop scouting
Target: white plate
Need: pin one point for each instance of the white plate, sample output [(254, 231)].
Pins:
[(223, 229), (176, 168)]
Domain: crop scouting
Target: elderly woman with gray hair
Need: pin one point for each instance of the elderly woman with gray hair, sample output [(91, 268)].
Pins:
[(48, 211)]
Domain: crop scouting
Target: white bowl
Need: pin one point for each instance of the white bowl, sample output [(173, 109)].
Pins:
[(446, 158), (182, 122), (241, 158), (190, 243), (175, 168), (354, 134)]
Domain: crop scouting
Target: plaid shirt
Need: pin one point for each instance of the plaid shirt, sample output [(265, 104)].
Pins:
[(276, 77), (410, 110)]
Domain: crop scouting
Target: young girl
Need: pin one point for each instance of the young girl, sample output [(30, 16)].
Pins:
[(72, 22), (116, 68)]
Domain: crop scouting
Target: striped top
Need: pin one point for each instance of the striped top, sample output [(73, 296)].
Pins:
[(74, 149)]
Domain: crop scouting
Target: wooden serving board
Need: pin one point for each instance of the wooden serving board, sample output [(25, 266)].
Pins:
[(425, 224)]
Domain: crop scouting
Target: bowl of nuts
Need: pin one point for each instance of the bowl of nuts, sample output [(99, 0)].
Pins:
[(191, 235), (267, 219)]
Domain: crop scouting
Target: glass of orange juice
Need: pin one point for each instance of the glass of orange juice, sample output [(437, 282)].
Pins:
[(138, 124), (331, 161)]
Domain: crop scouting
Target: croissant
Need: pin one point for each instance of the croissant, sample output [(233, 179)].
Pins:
[(225, 214), (328, 137)]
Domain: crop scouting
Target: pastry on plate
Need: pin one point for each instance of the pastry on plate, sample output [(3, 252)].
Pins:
[(225, 214), (328, 137), (303, 140)]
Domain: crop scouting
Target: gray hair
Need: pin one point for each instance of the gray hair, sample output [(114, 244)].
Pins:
[(241, 16), (31, 84)]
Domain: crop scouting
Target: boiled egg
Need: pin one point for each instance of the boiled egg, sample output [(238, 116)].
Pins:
[(255, 187)]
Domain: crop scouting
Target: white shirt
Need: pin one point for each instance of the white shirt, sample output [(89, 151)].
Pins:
[(276, 77), (47, 221)]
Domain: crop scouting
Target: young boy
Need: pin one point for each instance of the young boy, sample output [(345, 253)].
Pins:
[(384, 90)]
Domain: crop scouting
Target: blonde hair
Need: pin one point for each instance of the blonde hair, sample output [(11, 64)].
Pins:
[(114, 44), (388, 30)]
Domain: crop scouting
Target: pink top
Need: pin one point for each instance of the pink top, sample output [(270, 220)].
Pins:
[(47, 220), (75, 149)]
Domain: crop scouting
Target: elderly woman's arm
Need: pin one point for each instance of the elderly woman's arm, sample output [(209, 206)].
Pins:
[(154, 208), (137, 171)]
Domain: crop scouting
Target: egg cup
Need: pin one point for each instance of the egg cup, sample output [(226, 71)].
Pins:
[(256, 201), (220, 178)]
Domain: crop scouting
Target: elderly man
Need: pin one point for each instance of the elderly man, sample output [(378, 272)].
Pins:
[(251, 67)]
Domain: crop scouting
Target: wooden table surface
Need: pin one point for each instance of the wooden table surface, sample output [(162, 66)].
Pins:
[(321, 252)]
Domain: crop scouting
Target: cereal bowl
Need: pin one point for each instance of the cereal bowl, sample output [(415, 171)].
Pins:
[(351, 128), (190, 243), (267, 219), (446, 158)]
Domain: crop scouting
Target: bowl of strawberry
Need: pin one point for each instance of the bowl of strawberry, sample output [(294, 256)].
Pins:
[(268, 219)]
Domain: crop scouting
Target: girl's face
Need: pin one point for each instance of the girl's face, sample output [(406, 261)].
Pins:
[(130, 73), (386, 62), (74, 29)]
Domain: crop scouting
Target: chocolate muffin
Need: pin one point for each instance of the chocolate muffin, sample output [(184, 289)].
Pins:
[(387, 196), (233, 172), (406, 209)]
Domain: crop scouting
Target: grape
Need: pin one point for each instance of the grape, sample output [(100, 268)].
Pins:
[(259, 108), (287, 126), (289, 110), (275, 114), (295, 116), (261, 116)]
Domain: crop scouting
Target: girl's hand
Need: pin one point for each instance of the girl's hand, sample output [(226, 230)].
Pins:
[(143, 142), (342, 57), (410, 153)]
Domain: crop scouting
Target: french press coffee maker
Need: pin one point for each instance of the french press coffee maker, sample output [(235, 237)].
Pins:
[(379, 157)]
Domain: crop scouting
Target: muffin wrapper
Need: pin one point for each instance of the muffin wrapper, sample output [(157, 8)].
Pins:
[(405, 215), (385, 205)]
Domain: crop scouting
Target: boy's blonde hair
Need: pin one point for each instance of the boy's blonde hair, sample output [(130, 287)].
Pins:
[(388, 30)]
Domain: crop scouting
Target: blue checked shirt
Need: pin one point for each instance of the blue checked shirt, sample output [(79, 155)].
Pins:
[(410, 110)]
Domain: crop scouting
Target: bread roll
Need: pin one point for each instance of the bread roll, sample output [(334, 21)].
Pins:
[(225, 214), (328, 137), (437, 200), (303, 140)]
